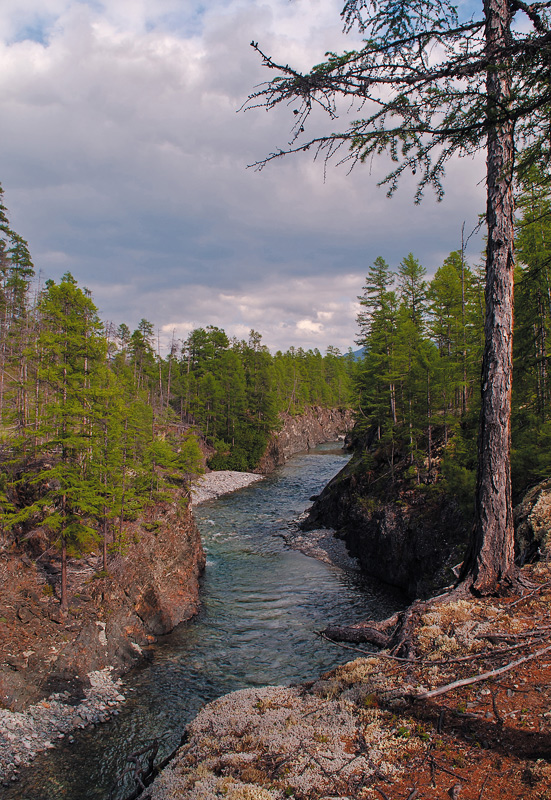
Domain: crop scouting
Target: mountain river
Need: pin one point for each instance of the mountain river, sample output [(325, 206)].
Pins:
[(261, 605)]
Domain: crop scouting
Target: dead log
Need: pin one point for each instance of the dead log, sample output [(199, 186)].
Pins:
[(372, 631), (357, 634)]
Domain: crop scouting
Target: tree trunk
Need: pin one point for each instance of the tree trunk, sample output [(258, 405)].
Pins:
[(104, 548), (64, 603), (489, 566)]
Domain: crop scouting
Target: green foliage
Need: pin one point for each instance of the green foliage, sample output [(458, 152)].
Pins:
[(415, 384), (235, 390), (423, 347), (190, 458)]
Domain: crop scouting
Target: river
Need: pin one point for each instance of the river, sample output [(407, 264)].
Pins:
[(261, 605)]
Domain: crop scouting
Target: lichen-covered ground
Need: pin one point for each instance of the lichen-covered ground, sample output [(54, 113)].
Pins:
[(365, 731)]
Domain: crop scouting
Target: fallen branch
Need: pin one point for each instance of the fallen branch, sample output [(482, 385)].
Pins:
[(505, 637), (530, 594), (474, 656), (441, 767), (366, 653), (433, 663), (478, 678)]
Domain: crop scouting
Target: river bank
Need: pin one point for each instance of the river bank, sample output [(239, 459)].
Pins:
[(215, 484), (466, 715), (59, 672), (261, 603), (95, 696), (113, 619), (44, 724)]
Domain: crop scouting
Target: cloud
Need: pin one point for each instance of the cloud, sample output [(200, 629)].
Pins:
[(300, 312), (124, 160)]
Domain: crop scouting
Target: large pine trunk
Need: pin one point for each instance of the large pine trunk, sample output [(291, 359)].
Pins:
[(489, 565)]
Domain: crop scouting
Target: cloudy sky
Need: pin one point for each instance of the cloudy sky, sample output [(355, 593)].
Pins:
[(124, 160)]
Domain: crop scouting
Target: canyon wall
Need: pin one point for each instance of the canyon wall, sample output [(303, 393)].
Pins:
[(303, 432), (152, 585)]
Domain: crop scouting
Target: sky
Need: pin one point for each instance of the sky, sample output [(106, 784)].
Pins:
[(124, 160)]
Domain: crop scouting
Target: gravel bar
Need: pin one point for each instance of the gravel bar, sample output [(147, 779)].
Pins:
[(215, 484)]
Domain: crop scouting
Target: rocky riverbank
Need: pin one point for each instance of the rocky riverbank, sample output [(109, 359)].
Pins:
[(151, 585), (322, 545), (412, 535), (215, 484), (24, 734), (59, 672), (405, 533), (467, 715)]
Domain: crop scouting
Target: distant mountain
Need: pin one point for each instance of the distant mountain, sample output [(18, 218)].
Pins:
[(358, 353)]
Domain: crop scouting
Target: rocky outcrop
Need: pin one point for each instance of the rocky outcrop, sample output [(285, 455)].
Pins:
[(408, 536), (151, 586), (411, 535), (533, 523), (304, 431)]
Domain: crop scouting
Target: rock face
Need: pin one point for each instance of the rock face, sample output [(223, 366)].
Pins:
[(412, 536), (408, 537), (533, 522), (303, 432), (150, 587)]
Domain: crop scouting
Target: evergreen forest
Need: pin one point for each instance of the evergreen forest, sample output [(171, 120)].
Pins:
[(95, 424), (417, 387)]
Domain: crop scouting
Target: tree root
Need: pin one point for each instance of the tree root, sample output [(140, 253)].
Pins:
[(396, 633)]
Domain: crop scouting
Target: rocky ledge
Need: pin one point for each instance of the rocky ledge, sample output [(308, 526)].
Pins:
[(60, 665)]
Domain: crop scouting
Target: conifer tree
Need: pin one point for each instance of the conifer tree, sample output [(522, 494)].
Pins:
[(432, 85), (73, 347)]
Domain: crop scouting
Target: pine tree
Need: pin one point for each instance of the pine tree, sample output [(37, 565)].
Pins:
[(73, 347), (431, 86)]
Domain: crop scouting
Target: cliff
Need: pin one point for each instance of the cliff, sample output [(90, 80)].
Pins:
[(407, 535), (411, 535), (304, 431), (151, 586)]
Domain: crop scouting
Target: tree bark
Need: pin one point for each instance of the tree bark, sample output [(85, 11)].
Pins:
[(489, 565), (63, 602)]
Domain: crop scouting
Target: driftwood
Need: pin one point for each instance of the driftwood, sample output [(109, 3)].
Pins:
[(372, 632)]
